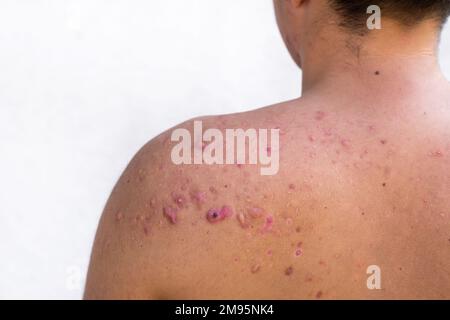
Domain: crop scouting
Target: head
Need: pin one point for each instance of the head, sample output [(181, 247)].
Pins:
[(301, 22)]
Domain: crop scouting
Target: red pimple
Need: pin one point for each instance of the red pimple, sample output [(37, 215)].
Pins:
[(268, 223), (298, 252), (171, 214), (292, 186)]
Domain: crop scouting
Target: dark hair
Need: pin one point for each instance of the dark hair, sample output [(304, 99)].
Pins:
[(406, 12)]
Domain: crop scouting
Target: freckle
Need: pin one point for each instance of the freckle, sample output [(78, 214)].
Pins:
[(216, 215), (289, 271), (298, 229), (171, 214), (320, 115), (292, 186), (383, 142), (255, 268), (319, 295), (384, 184), (119, 216), (322, 263), (363, 213), (225, 186)]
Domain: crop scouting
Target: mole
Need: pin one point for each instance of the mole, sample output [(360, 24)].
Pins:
[(377, 73)]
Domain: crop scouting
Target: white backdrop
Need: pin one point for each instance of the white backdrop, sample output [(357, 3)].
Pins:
[(85, 83)]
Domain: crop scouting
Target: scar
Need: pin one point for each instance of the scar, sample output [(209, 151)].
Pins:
[(242, 221), (216, 215), (171, 214), (289, 271)]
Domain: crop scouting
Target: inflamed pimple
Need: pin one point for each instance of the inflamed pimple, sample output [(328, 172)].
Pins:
[(216, 215), (268, 224), (171, 214)]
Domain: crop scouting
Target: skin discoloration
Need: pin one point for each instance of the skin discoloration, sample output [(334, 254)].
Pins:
[(268, 223), (319, 115), (289, 271)]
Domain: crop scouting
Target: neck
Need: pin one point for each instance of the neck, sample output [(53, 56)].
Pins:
[(382, 58)]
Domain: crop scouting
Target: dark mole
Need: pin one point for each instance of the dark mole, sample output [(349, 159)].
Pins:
[(383, 141), (384, 184), (377, 73), (363, 213)]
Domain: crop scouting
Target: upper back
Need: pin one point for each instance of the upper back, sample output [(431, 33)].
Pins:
[(357, 189)]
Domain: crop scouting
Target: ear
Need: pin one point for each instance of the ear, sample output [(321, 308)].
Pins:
[(297, 3)]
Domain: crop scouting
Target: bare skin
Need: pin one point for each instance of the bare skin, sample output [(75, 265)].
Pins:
[(364, 180)]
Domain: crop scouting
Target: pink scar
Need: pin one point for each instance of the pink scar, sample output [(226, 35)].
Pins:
[(216, 215), (171, 214)]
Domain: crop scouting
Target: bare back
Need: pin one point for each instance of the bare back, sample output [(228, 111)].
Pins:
[(360, 184)]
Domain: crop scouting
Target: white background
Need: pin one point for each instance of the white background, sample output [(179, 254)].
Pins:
[(85, 83)]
